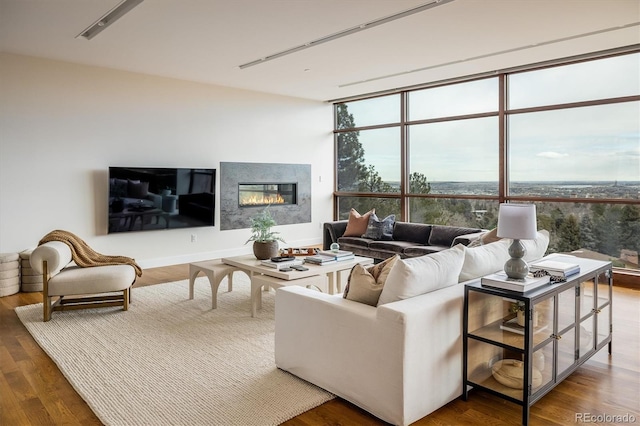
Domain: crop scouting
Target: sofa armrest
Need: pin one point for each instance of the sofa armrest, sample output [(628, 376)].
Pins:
[(399, 361), (156, 199), (333, 231), (56, 253), (467, 238)]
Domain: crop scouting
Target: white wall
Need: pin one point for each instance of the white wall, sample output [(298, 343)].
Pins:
[(62, 125)]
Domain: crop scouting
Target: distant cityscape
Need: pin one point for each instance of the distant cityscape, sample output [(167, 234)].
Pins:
[(560, 189)]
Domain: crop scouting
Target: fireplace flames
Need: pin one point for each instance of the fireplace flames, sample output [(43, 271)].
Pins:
[(257, 200)]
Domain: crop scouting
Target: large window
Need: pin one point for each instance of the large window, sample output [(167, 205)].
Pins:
[(565, 137)]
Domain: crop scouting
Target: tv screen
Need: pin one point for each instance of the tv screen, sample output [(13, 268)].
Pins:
[(152, 198)]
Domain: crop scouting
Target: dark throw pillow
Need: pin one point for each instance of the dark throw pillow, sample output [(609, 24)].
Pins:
[(380, 229), (138, 190)]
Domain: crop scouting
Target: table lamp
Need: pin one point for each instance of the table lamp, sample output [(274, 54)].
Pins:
[(518, 222)]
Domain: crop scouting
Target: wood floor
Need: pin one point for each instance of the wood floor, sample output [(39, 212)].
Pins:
[(34, 392)]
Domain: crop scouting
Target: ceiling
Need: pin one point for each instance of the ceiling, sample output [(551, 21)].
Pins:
[(206, 40)]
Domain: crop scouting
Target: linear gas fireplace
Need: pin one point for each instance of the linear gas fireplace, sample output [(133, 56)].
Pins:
[(247, 188), (264, 194)]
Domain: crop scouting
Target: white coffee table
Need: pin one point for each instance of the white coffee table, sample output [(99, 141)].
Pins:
[(258, 282), (324, 277), (333, 271), (215, 271)]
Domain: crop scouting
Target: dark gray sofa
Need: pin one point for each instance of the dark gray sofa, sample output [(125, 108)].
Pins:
[(408, 240)]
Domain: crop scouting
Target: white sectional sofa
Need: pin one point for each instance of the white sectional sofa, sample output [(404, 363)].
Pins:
[(399, 361)]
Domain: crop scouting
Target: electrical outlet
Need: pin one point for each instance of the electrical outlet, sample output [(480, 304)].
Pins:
[(194, 238)]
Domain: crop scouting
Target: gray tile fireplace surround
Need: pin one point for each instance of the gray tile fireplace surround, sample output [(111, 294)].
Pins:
[(232, 216)]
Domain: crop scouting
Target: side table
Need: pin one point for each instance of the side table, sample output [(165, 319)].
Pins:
[(565, 324)]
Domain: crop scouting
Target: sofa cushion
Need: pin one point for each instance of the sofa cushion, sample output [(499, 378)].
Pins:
[(354, 241), (489, 258), (416, 251), (413, 232), (483, 260), (380, 229), (444, 235), (420, 275), (357, 224), (365, 284), (393, 246)]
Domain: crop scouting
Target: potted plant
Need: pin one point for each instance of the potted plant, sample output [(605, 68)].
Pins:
[(518, 309), (265, 241)]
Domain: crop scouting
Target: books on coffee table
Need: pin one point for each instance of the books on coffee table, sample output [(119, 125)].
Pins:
[(502, 281), (320, 259), (280, 265), (338, 254)]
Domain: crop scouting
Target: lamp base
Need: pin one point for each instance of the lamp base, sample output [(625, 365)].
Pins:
[(516, 267)]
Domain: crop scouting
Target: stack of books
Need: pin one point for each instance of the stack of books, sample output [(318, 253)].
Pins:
[(558, 271), (338, 255), (280, 265), (502, 281), (327, 256), (513, 326)]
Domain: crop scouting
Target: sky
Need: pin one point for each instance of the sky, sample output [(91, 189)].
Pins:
[(587, 143)]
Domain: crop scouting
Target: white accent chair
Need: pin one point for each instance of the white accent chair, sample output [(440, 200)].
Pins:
[(98, 286)]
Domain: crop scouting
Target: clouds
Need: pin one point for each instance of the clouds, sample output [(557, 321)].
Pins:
[(551, 154), (568, 141)]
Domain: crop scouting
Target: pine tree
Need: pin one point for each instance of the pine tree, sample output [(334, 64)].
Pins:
[(630, 228), (587, 237), (569, 235), (350, 168)]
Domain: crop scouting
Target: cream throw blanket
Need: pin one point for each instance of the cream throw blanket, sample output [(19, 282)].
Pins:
[(85, 256)]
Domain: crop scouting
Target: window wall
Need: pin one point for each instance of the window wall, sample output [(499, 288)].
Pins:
[(565, 137)]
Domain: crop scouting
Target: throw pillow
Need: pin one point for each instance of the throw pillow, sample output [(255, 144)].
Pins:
[(380, 229), (486, 238), (357, 224), (490, 237), (365, 284), (483, 260), (138, 189), (419, 275)]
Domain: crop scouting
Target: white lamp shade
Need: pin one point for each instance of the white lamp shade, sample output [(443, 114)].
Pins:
[(517, 221)]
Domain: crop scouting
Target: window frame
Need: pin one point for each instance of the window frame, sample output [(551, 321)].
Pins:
[(503, 114)]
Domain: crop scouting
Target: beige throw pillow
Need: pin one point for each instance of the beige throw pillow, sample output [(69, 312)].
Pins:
[(357, 224), (365, 284), (419, 275), (490, 236)]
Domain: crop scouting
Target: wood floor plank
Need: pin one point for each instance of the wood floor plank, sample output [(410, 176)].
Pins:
[(34, 392)]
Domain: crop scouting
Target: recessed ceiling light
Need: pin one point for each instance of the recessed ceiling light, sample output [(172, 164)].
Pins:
[(109, 18), (349, 31)]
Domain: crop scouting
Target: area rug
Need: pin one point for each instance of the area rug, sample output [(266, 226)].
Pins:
[(174, 361)]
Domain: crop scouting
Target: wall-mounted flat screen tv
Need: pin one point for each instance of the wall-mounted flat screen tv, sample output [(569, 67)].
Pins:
[(153, 198)]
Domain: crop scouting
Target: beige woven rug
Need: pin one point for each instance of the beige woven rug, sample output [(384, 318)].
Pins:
[(174, 361)]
